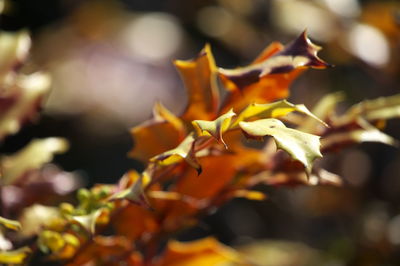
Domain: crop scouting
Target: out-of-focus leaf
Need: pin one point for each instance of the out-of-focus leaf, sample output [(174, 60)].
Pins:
[(249, 194), (268, 80), (280, 253), (14, 48), (135, 192), (215, 128), (163, 132), (104, 250), (88, 221), (134, 221), (337, 140), (324, 177), (370, 110), (37, 216), (206, 251), (33, 156), (200, 78), (29, 92), (17, 256), (301, 146), (273, 110), (184, 151), (323, 109), (10, 224)]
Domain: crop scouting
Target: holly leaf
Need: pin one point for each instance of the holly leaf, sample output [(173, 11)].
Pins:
[(183, 152), (135, 192), (371, 110), (163, 132), (88, 221), (17, 256), (33, 156), (301, 146), (10, 224), (273, 110), (200, 78), (215, 128), (206, 251), (268, 78), (21, 101)]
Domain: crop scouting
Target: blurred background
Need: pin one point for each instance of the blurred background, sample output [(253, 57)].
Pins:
[(111, 60)]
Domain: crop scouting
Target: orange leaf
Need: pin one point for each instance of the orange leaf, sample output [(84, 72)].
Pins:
[(206, 251), (200, 78), (269, 76), (163, 132)]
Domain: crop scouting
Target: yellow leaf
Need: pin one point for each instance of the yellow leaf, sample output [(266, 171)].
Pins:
[(33, 156), (206, 251), (301, 146), (10, 224), (184, 152), (17, 256), (215, 128), (273, 110)]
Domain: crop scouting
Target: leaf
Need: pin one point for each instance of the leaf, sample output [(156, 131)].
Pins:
[(215, 128), (14, 48), (184, 151), (10, 224), (200, 78), (301, 146), (370, 110), (23, 102), (272, 110), (206, 251), (134, 193), (163, 132), (324, 108), (88, 221), (249, 194), (33, 156), (337, 140), (17, 256), (268, 80)]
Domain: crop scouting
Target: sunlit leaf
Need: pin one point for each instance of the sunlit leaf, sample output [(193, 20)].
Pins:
[(10, 224), (215, 128), (17, 256), (163, 132), (200, 78), (273, 110), (184, 151), (26, 96), (338, 140), (88, 221), (301, 146), (381, 108), (135, 192), (14, 47), (206, 251), (268, 80), (324, 108), (249, 194), (33, 156)]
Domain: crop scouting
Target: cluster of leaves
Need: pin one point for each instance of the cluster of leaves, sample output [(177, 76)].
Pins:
[(196, 161)]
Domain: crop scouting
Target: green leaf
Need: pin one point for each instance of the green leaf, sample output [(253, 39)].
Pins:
[(301, 146), (10, 224), (134, 193), (17, 256), (273, 110), (184, 152), (33, 156), (215, 128)]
